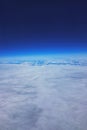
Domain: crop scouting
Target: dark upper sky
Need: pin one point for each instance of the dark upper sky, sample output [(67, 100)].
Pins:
[(42, 26)]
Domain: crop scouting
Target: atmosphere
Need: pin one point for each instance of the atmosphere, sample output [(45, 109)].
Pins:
[(42, 27), (43, 65)]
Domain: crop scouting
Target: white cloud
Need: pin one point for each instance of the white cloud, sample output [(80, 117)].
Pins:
[(46, 97)]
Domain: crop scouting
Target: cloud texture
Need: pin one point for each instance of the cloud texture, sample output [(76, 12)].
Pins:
[(43, 96)]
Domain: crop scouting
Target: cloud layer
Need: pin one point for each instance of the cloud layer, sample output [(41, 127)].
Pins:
[(43, 96)]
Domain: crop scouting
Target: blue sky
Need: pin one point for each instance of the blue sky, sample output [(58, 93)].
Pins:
[(30, 27)]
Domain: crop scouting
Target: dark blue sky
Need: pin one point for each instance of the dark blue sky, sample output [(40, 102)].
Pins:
[(34, 27)]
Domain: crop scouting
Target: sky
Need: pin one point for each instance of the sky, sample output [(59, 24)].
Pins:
[(40, 27)]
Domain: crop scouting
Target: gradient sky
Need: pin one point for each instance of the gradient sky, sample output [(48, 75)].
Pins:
[(35, 27)]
